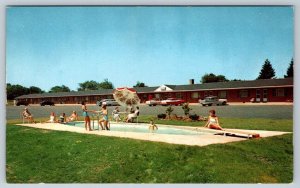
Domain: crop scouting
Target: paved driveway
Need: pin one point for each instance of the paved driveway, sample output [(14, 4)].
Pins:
[(239, 111)]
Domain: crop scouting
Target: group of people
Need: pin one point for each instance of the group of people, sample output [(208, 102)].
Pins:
[(62, 118), (212, 121), (104, 123), (130, 117)]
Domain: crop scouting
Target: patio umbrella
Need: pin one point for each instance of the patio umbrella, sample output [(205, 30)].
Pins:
[(126, 97)]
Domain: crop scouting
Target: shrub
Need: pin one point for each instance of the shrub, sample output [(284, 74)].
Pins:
[(161, 116), (169, 110), (194, 117), (186, 109)]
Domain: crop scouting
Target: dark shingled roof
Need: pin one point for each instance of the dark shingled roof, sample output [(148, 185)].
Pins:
[(237, 84), (206, 86)]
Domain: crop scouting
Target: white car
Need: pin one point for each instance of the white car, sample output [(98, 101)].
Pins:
[(153, 102), (172, 101), (108, 102), (212, 100)]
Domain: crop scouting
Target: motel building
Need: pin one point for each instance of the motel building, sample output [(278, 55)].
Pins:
[(265, 90)]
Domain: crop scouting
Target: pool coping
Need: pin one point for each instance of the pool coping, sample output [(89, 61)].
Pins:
[(191, 140)]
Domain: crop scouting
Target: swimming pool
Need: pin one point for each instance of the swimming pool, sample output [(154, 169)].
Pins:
[(143, 128)]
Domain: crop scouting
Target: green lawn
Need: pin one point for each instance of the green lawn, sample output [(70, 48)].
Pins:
[(35, 155), (236, 123)]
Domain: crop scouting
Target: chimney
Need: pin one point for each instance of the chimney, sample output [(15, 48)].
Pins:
[(191, 81)]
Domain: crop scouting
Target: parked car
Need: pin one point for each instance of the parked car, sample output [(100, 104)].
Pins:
[(153, 102), (19, 103), (212, 100), (172, 101), (44, 103), (107, 102)]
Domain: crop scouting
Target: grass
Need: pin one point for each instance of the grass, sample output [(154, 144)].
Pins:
[(35, 155), (236, 123)]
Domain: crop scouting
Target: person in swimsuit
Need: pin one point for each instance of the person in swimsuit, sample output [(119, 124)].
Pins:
[(62, 118), (152, 126), (86, 116), (116, 115), (104, 118), (52, 118), (132, 115), (213, 121), (72, 117)]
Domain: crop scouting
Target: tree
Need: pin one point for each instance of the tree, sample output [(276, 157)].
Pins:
[(88, 85), (290, 70), (34, 89), (93, 85), (208, 78), (62, 88), (140, 84), (267, 71), (14, 91), (105, 84)]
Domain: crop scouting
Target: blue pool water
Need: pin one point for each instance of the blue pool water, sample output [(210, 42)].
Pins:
[(143, 128)]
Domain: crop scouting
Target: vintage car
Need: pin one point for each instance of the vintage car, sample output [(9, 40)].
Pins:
[(212, 100), (44, 103), (19, 103), (107, 102), (153, 102), (172, 101)]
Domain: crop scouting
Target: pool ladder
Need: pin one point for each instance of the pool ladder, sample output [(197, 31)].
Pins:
[(93, 120)]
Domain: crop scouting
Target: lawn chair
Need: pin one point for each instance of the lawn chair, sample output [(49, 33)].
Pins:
[(136, 117), (24, 118)]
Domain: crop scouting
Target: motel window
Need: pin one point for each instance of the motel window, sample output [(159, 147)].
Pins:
[(205, 93), (178, 95), (195, 95), (157, 95), (222, 94), (244, 93), (279, 92), (210, 93)]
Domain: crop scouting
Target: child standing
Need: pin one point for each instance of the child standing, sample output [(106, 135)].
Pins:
[(152, 126)]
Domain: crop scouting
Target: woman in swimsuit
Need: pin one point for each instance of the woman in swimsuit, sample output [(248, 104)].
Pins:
[(73, 117), (104, 118), (86, 116), (52, 118), (213, 121)]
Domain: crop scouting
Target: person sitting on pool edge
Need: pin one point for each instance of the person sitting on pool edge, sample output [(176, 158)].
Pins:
[(62, 118), (213, 121), (152, 126), (72, 117), (52, 118)]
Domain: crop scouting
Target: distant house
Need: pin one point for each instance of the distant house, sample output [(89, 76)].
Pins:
[(266, 90)]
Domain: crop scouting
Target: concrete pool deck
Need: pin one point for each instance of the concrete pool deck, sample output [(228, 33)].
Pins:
[(191, 140)]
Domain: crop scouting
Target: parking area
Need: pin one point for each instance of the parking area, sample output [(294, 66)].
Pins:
[(238, 111)]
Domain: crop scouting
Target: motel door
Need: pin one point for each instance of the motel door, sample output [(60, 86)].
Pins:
[(265, 95), (258, 95)]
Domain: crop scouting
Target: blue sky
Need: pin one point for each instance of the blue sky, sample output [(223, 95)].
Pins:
[(49, 46)]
